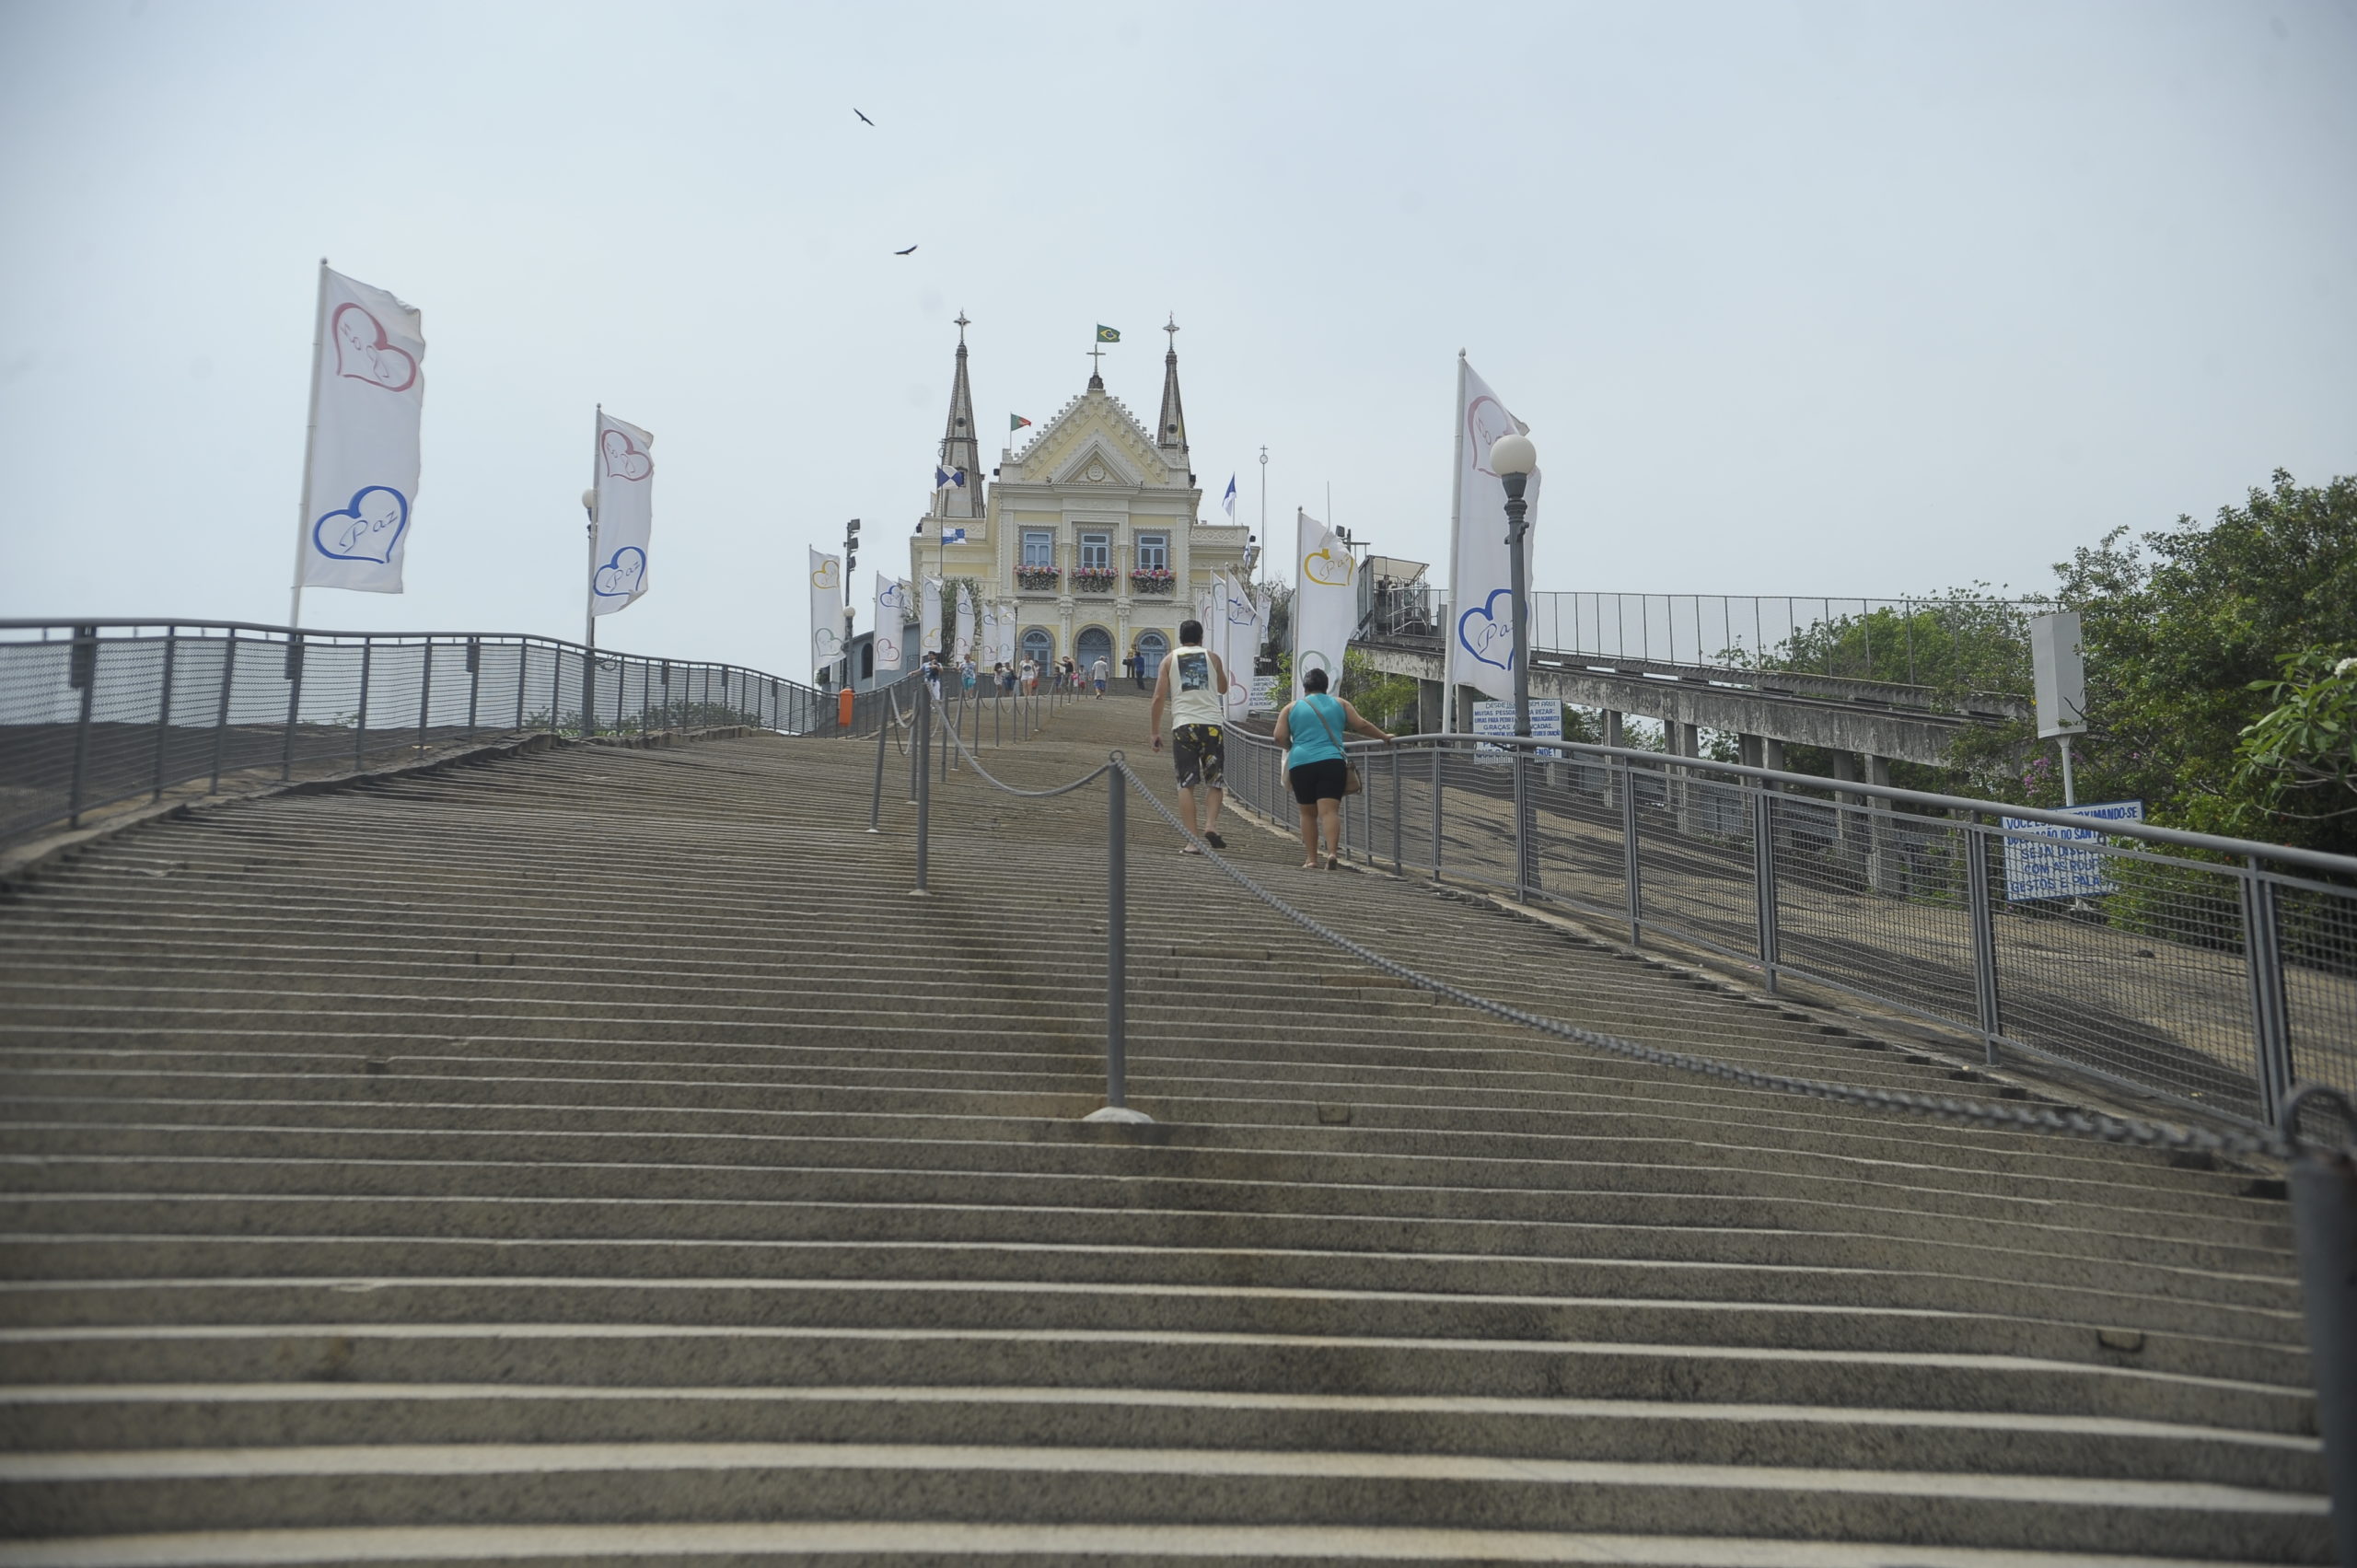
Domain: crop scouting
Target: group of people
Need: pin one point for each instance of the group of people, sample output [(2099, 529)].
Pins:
[(1189, 688), (1062, 675)]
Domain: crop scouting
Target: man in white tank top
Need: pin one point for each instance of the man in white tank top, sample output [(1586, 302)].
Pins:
[(1189, 685)]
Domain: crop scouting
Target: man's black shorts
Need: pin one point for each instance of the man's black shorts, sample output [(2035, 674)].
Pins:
[(1201, 756), (1314, 782)]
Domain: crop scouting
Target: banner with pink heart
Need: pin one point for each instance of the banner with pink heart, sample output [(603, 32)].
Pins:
[(368, 397), (622, 492)]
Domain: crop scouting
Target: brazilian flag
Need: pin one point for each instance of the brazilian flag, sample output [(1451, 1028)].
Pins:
[(1106, 334)]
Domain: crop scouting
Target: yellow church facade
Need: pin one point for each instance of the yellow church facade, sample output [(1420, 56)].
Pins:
[(1088, 537)]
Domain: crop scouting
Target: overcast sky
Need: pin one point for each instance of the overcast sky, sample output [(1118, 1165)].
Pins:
[(1797, 298)]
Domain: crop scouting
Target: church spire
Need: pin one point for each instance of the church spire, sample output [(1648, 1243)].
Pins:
[(959, 449), (1171, 429)]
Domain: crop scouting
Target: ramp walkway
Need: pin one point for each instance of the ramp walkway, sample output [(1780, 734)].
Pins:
[(598, 1155)]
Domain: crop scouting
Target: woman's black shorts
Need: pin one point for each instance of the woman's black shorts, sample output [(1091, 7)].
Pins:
[(1314, 782)]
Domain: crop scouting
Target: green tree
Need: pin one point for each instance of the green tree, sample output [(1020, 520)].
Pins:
[(2187, 631), (2298, 763)]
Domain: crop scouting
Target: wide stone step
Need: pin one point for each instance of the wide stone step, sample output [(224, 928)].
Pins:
[(229, 1489), (268, 1415), (610, 1355)]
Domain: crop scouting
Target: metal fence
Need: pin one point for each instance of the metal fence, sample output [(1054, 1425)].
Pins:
[(2210, 972), (1959, 639), (96, 713)]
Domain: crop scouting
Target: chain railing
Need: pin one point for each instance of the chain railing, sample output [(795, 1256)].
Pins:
[(2212, 972), (96, 712)]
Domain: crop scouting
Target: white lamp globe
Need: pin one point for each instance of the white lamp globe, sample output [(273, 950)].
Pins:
[(1513, 453), (588, 500)]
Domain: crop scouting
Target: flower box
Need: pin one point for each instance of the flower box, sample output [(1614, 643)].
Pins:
[(1153, 580), (1092, 580), (1037, 579)]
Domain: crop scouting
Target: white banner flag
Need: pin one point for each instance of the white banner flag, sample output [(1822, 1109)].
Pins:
[(891, 619), (1480, 568), (1007, 618), (826, 609), (625, 482), (1325, 601), (986, 651), (929, 640), (962, 642), (1235, 637), (360, 471)]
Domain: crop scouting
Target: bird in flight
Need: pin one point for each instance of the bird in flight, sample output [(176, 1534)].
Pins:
[(864, 120), (910, 250)]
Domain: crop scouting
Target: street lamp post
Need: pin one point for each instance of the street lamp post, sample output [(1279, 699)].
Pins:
[(850, 559), (1511, 458), (589, 588), (1264, 513)]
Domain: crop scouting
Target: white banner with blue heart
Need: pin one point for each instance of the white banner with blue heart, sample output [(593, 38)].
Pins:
[(891, 624), (625, 514), (1480, 640), (826, 601), (1325, 601), (929, 625), (367, 393), (962, 633)]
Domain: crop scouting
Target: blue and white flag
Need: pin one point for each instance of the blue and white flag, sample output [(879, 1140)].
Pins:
[(1227, 502), (953, 536), (1481, 642), (368, 391), (624, 489), (949, 479)]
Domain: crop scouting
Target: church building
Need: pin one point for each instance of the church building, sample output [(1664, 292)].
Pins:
[(1087, 537)]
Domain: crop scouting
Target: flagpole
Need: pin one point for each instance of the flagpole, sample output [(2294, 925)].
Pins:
[(1456, 523), (589, 585), (310, 439)]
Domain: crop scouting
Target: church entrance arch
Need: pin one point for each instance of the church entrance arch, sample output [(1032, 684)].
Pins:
[(1093, 642), (1038, 646), (1152, 646)]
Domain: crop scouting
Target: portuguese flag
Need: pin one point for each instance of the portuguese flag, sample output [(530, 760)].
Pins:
[(1106, 334), (1016, 421)]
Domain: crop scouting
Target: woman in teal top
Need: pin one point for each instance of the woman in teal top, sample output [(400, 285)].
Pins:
[(1311, 730)]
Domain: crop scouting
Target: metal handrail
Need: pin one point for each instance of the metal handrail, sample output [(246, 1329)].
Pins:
[(2212, 981), (98, 710)]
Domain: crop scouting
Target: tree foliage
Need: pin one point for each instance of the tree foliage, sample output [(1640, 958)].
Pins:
[(2195, 636)]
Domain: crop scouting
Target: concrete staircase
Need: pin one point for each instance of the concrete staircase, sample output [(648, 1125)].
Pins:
[(599, 1156)]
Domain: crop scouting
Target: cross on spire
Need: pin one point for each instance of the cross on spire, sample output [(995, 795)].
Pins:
[(1173, 329), (1097, 371), (962, 325)]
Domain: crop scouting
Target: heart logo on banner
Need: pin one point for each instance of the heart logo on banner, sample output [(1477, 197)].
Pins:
[(888, 651), (363, 352), (896, 597), (1312, 659), (365, 530), (827, 576), (1486, 420), (1326, 567), (826, 642), (623, 575), (1491, 641), (623, 459)]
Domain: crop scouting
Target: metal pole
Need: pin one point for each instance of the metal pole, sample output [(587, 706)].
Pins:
[(924, 775), (1763, 880), (2324, 1223), (876, 802), (293, 701), (588, 692), (360, 729), (1984, 938), (1398, 809), (425, 695), (82, 670), (310, 435), (1437, 750), (2070, 787), (221, 719), (1116, 903), (1633, 889), (164, 708), (523, 675), (2263, 960), (1526, 865), (475, 684)]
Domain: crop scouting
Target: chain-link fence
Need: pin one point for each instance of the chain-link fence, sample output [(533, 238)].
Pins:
[(2210, 972), (93, 714)]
